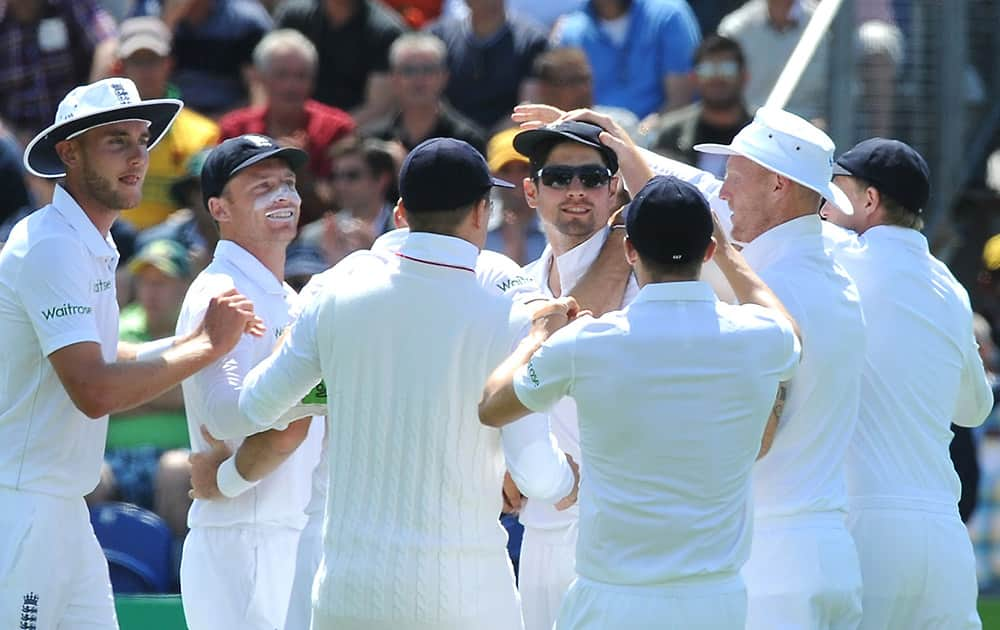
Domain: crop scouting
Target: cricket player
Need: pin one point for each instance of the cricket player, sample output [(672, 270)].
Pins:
[(64, 369), (239, 556), (922, 373), (420, 334), (664, 514)]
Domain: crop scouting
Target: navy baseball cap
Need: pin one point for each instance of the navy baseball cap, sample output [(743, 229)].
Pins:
[(891, 166), (235, 154), (533, 142), (444, 174), (669, 222)]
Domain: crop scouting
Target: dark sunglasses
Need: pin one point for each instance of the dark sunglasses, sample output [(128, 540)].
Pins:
[(349, 176), (560, 176)]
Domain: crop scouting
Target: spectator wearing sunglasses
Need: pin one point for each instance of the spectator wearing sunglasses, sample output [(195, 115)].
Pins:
[(418, 70), (573, 185), (719, 76)]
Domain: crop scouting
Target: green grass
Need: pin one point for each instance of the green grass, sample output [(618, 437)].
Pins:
[(989, 610)]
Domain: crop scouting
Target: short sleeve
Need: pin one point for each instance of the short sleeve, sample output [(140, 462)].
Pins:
[(55, 289), (548, 375)]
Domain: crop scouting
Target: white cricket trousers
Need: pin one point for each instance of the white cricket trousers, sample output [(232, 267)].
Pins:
[(803, 574), (704, 603), (53, 574), (917, 563), (238, 577), (310, 552), (547, 568)]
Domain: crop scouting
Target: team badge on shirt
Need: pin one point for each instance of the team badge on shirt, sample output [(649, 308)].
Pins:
[(29, 612)]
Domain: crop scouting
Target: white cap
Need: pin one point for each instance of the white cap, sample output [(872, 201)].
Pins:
[(790, 146)]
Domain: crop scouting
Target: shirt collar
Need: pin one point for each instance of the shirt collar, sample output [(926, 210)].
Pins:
[(690, 291), (796, 14), (81, 223), (907, 237), (249, 266), (440, 250), (573, 264), (774, 243)]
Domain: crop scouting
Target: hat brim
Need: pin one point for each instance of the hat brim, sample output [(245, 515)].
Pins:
[(528, 142), (829, 191), (501, 183), (41, 158)]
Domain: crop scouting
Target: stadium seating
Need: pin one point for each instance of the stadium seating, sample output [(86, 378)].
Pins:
[(137, 544)]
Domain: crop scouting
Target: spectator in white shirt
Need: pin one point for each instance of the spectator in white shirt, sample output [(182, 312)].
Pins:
[(922, 373), (404, 343), (665, 514), (245, 545), (64, 369)]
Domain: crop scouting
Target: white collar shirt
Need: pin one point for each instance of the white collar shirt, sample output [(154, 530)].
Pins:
[(804, 471), (211, 396), (57, 288), (922, 371), (404, 343), (670, 420)]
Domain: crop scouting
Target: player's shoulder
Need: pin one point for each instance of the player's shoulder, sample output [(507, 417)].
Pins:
[(498, 271), (46, 237)]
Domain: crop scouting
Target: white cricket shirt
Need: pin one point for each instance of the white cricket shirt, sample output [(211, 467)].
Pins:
[(211, 396), (404, 343), (57, 288), (922, 370), (671, 419)]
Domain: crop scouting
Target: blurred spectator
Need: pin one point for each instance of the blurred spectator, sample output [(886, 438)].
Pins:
[(416, 13), (880, 55), (16, 202), (517, 233), (419, 75), (565, 80), (364, 185), (192, 226), (767, 31), (213, 43), (353, 39), (490, 58), (988, 353), (46, 50), (302, 262), (640, 50), (144, 47), (285, 62), (544, 14), (139, 437), (710, 12), (988, 283), (719, 77)]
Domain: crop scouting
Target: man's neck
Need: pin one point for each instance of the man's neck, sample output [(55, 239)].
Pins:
[(419, 121), (271, 254), (724, 117), (340, 11), (487, 22), (283, 121), (100, 215), (368, 213), (780, 12), (560, 244)]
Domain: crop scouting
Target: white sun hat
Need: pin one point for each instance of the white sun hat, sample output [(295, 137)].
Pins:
[(87, 106), (790, 146)]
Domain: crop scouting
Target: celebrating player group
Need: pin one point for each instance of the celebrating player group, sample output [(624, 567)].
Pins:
[(725, 406)]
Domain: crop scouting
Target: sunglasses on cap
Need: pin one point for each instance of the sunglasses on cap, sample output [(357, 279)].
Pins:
[(717, 69), (561, 176)]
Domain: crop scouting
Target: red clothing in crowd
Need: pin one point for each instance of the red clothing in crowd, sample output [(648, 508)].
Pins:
[(324, 126)]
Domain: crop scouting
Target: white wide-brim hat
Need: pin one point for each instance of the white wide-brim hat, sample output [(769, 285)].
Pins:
[(790, 146), (88, 106)]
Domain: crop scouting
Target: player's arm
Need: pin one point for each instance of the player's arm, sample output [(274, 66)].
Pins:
[(538, 467), (602, 287), (975, 396), (771, 428), (500, 405), (98, 388)]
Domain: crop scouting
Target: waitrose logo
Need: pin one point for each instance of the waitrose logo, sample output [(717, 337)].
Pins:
[(65, 311)]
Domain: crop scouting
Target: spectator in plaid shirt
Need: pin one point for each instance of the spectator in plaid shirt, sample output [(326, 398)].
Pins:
[(46, 48)]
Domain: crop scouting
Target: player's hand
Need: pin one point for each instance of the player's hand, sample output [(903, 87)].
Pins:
[(552, 315), (570, 499), (513, 500), (205, 467), (228, 317), (535, 115)]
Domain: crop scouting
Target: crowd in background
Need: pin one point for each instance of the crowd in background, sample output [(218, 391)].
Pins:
[(357, 84)]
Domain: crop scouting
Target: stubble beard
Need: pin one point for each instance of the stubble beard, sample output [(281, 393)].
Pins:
[(101, 189)]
